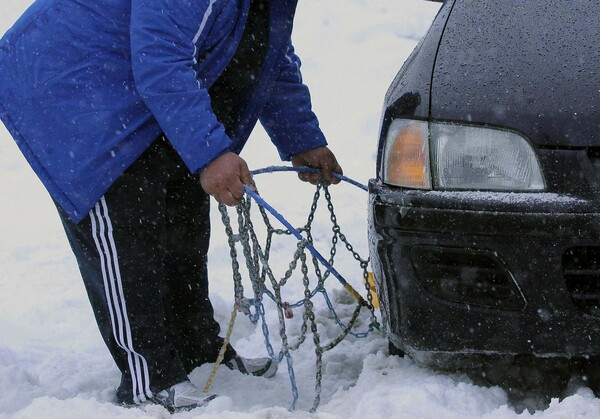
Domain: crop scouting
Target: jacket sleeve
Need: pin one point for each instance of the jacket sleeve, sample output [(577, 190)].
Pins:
[(287, 116), (164, 35)]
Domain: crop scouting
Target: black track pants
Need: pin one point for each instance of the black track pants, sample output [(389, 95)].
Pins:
[(142, 255)]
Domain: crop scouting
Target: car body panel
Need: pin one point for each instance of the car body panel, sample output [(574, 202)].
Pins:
[(409, 93), (542, 82), (481, 77)]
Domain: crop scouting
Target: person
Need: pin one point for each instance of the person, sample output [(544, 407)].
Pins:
[(132, 113)]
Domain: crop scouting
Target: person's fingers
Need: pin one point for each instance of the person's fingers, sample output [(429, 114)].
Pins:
[(246, 176), (225, 177), (338, 169), (322, 159), (237, 191), (310, 177), (329, 166), (304, 176), (234, 191), (326, 169), (227, 198)]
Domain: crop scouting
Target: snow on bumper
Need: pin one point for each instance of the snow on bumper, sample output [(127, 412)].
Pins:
[(486, 273)]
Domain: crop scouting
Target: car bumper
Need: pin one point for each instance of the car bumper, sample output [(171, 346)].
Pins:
[(486, 273)]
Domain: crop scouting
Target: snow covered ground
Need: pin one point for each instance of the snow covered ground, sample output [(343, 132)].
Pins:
[(53, 363)]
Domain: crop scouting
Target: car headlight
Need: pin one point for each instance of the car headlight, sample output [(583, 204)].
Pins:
[(463, 157), (406, 155)]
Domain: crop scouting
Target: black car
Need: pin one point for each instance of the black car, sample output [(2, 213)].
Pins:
[(484, 215)]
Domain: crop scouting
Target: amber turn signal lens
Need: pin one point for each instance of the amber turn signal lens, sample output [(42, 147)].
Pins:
[(406, 159)]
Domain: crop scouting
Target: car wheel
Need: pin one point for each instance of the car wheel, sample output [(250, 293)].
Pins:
[(591, 372), (394, 350)]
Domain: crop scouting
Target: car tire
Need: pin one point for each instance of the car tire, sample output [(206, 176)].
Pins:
[(394, 350), (591, 372)]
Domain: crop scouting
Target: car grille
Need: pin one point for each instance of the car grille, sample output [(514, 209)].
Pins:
[(594, 156), (466, 276), (581, 271)]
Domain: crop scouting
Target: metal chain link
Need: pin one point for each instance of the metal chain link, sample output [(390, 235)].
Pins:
[(364, 263), (259, 271)]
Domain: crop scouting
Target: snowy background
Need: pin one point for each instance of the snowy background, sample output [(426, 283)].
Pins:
[(53, 363)]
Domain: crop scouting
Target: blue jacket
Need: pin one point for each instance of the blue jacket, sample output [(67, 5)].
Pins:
[(87, 85)]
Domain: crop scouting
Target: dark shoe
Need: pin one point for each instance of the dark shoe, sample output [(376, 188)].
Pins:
[(182, 396), (259, 367)]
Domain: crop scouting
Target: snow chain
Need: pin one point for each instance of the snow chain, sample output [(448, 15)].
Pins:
[(259, 271)]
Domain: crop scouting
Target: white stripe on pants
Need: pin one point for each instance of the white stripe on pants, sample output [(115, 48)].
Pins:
[(103, 237)]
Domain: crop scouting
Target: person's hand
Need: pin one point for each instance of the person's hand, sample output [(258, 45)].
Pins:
[(224, 178), (319, 158)]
